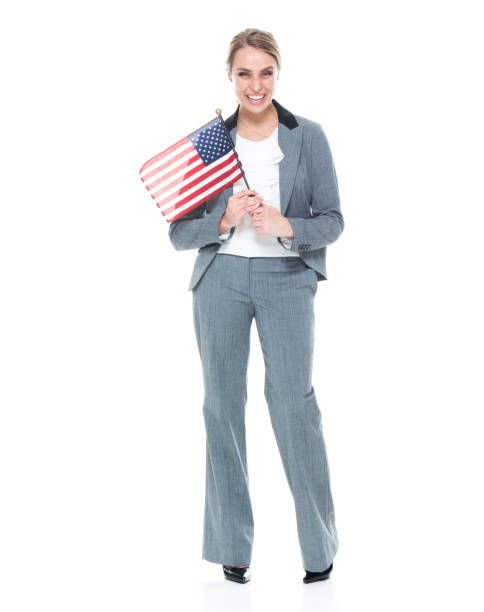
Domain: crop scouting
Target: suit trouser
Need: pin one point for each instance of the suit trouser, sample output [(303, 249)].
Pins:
[(279, 292)]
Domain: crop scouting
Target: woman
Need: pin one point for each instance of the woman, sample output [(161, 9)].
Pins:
[(261, 254)]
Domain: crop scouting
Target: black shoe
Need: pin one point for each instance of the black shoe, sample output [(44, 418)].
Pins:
[(237, 574), (314, 576)]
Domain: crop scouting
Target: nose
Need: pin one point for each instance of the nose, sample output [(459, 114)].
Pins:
[(255, 85)]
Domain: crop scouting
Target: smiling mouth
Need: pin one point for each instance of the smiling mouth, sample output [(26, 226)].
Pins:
[(256, 99)]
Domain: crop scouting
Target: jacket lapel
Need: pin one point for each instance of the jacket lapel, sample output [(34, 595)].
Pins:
[(289, 139)]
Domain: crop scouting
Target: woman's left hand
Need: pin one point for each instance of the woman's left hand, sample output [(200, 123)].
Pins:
[(268, 220)]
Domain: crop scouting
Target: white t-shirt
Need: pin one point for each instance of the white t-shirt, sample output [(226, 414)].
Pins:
[(260, 162)]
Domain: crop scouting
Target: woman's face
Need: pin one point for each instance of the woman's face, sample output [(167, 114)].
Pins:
[(254, 73)]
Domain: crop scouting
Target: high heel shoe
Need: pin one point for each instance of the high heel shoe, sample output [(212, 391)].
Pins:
[(240, 574), (314, 576)]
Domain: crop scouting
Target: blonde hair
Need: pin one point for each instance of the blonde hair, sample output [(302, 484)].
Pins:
[(252, 37)]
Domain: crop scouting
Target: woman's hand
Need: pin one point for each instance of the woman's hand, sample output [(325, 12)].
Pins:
[(244, 201), (268, 220)]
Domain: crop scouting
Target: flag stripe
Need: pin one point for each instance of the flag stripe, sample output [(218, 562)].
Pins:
[(184, 184), (177, 170), (181, 169), (214, 193), (164, 154), (180, 155), (194, 171), (204, 188)]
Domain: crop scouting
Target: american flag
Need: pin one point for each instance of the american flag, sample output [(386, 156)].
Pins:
[(192, 170)]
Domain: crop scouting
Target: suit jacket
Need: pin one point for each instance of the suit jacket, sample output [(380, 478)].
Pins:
[(309, 199)]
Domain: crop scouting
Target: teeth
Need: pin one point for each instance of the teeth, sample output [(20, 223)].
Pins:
[(255, 98)]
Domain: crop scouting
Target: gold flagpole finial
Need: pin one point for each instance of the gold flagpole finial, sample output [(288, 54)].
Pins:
[(218, 111)]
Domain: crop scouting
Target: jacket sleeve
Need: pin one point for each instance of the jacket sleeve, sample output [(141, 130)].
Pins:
[(199, 227), (327, 223), (286, 242)]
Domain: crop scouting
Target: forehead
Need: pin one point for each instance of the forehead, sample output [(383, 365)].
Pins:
[(252, 59)]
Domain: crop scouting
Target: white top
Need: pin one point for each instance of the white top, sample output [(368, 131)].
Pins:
[(260, 162)]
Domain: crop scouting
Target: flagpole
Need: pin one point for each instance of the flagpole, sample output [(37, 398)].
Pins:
[(219, 113)]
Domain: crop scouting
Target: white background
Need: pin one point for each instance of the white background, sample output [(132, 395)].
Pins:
[(102, 437)]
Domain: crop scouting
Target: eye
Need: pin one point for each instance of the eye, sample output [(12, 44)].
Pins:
[(267, 72)]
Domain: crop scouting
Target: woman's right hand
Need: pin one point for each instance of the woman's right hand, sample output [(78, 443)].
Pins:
[(244, 201)]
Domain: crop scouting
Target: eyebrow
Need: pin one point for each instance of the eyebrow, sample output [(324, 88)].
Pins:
[(263, 69)]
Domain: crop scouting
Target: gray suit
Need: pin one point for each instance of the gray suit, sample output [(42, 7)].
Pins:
[(228, 292), (309, 199)]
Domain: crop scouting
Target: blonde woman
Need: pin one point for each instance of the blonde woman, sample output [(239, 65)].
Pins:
[(261, 254)]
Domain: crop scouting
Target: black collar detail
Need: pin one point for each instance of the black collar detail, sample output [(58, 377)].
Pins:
[(284, 116)]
